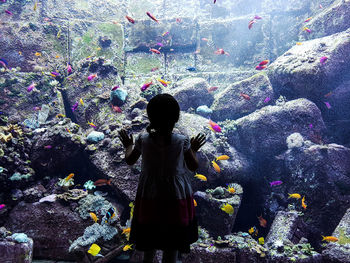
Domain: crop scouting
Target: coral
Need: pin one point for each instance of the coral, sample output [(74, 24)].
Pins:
[(295, 140), (65, 183), (89, 185), (18, 176), (73, 194), (92, 234), (92, 203), (5, 138), (20, 237)]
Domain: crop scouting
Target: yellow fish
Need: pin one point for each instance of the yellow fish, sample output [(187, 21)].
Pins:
[(68, 130), (35, 6), (81, 102), (299, 43), (60, 115), (127, 247), (59, 33), (37, 54), (131, 205), (94, 249), (98, 49), (303, 203), (20, 53), (261, 241), (231, 190), (126, 231), (253, 230), (329, 239), (57, 56), (94, 217), (69, 177), (227, 208), (194, 202), (216, 166), (201, 177), (52, 75), (296, 196), (165, 83), (222, 157)]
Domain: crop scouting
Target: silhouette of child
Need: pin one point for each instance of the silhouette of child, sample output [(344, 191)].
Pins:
[(164, 215)]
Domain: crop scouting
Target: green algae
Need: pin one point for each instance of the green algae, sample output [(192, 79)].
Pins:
[(343, 239)]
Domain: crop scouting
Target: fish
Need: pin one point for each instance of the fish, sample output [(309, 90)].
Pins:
[(69, 177), (35, 6), (227, 208), (59, 33), (156, 51), (36, 108), (92, 125), (101, 182), (126, 231), (307, 29), (264, 62), (115, 108), (222, 157), (110, 214), (274, 183), (68, 130), (93, 216), (261, 241), (8, 12), (81, 101), (55, 74), (37, 54), (31, 87), (257, 17), (154, 69), (191, 69), (152, 17), (2, 206), (194, 203), (165, 33), (127, 247), (328, 94), (200, 177), (323, 60), (164, 83), (298, 43), (146, 86), (69, 69), (253, 231), (260, 67), (262, 221), (57, 56), (303, 202), (308, 19), (205, 39), (214, 1), (311, 126), (115, 87), (48, 147), (160, 44), (221, 51), (178, 20), (94, 249), (328, 105), (60, 115), (245, 96), (132, 21), (231, 190), (214, 126), (91, 77), (216, 166), (75, 106), (320, 6), (296, 196), (211, 89), (329, 239), (267, 99), (4, 62), (251, 23)]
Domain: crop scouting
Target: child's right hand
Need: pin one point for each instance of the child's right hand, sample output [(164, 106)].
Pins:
[(197, 142), (124, 137)]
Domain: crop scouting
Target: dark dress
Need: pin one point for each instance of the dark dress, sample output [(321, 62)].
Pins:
[(164, 214)]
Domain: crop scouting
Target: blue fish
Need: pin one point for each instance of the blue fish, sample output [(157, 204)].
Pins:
[(4, 63), (191, 69)]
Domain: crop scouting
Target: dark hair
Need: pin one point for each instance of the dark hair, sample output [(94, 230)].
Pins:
[(163, 112)]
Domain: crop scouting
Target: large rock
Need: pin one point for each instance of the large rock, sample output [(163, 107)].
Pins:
[(192, 92), (229, 104), (339, 252), (50, 225), (14, 251), (264, 132), (298, 72)]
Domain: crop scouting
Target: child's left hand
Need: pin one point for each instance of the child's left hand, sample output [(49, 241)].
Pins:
[(124, 137)]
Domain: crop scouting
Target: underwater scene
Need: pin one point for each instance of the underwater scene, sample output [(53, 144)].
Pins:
[(267, 82)]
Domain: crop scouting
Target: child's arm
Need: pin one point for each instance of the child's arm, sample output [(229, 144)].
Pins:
[(131, 154), (190, 156)]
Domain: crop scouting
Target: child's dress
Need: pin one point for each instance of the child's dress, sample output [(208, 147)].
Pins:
[(164, 215)]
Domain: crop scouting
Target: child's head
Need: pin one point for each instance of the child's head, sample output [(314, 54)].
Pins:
[(163, 112)]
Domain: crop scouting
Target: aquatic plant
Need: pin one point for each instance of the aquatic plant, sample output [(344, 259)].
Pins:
[(73, 194), (89, 185), (92, 203)]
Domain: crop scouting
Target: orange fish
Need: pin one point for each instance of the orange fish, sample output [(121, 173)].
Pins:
[(194, 202), (130, 19), (116, 109), (221, 51), (262, 221), (102, 182), (216, 166), (329, 239), (69, 177), (303, 203), (328, 94), (154, 50), (264, 62), (245, 96)]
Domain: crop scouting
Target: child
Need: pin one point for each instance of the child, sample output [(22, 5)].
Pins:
[(164, 216)]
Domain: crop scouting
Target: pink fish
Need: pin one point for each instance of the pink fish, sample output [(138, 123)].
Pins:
[(257, 17), (146, 86), (152, 17), (251, 23), (308, 19), (55, 73), (260, 67), (275, 183), (165, 34), (328, 105), (311, 126), (75, 106), (267, 99), (115, 108), (160, 44), (321, 6), (2, 206), (323, 60), (114, 88), (214, 126), (307, 29), (31, 87), (8, 12), (48, 147), (154, 69), (36, 108), (91, 77), (69, 69)]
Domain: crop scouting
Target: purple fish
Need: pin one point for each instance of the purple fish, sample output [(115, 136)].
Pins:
[(114, 88), (257, 17), (323, 60), (75, 106), (55, 73), (8, 12), (267, 99), (31, 87), (69, 69), (275, 183), (160, 44), (2, 206), (311, 126), (4, 1), (328, 104)]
